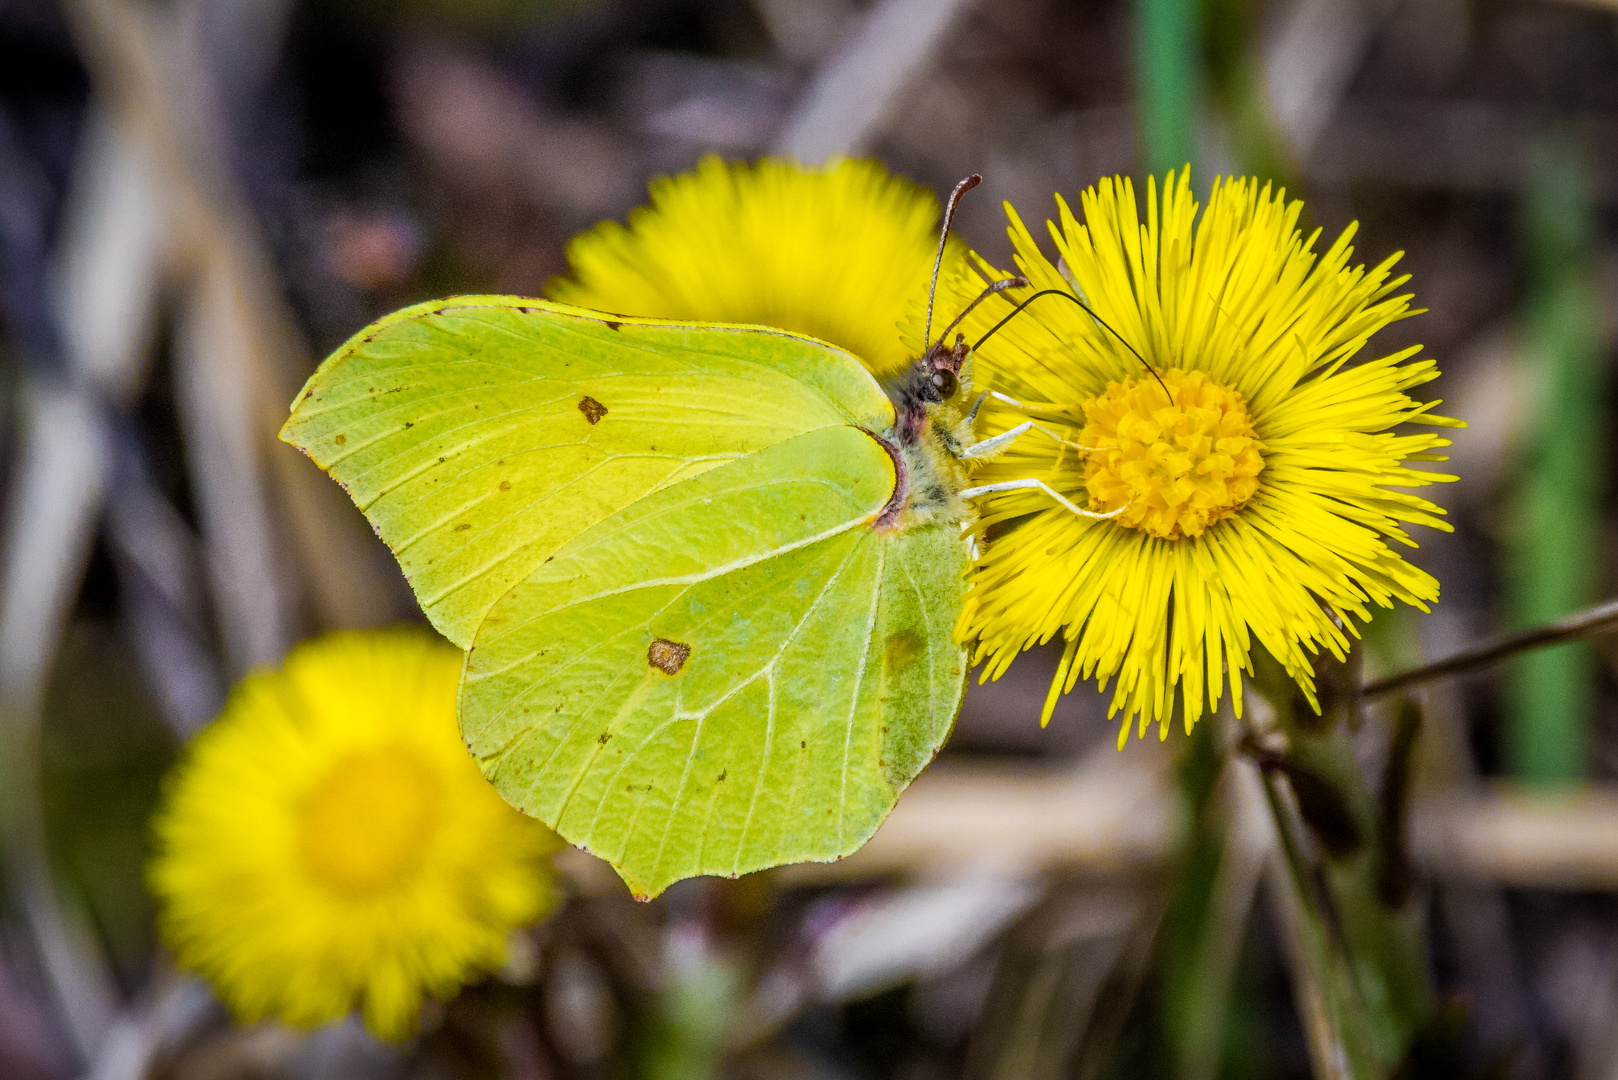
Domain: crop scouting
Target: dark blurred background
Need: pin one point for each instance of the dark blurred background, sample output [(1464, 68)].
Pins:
[(200, 198)]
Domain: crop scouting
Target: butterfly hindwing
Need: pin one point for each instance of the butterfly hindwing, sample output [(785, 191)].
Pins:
[(732, 673), (481, 433)]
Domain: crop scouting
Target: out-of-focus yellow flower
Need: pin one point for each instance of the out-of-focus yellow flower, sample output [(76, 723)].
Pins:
[(328, 844), (839, 252), (1252, 479)]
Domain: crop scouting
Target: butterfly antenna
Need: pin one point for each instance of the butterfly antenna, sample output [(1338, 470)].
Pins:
[(943, 238), (994, 287), (1063, 292)]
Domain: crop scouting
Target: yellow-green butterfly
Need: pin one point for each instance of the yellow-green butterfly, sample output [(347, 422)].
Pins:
[(707, 575)]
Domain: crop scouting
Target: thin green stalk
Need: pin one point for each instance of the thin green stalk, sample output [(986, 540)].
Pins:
[(1195, 990), (1555, 549), (1334, 1017), (1167, 81)]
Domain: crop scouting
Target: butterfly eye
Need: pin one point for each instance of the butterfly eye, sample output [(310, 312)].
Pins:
[(945, 383)]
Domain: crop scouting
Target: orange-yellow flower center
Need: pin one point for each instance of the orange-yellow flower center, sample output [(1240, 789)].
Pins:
[(366, 825), (1176, 467)]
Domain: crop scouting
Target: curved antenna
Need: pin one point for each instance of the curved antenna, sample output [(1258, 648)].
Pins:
[(1063, 292), (995, 287), (943, 237)]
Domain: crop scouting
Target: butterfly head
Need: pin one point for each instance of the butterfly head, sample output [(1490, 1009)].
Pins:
[(928, 385), (942, 369)]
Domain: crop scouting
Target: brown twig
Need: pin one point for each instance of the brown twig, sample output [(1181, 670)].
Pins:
[(1602, 617)]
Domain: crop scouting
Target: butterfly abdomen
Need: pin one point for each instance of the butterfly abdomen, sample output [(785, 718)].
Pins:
[(937, 480)]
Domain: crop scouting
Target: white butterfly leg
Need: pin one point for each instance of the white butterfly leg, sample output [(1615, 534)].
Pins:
[(1030, 483), (989, 447), (996, 444), (1023, 406), (1064, 442)]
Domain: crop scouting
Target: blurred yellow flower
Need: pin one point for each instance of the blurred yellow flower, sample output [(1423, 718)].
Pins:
[(1250, 475), (328, 844), (839, 252)]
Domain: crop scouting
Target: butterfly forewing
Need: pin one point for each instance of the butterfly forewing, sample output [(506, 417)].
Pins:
[(732, 673), (480, 434)]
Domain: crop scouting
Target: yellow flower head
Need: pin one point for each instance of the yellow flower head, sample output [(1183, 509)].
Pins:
[(327, 843), (836, 252), (1249, 476)]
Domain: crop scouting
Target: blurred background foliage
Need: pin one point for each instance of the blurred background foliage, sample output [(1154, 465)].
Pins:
[(199, 198)]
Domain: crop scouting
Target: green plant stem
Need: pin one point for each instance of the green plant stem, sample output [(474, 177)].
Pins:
[(1332, 1014), (1167, 78), (1364, 954), (1554, 551), (1200, 930)]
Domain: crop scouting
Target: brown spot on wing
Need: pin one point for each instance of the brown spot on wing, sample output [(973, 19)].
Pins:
[(903, 646), (341, 439), (592, 409), (667, 656)]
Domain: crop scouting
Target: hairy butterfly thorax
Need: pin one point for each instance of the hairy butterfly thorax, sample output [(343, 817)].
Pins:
[(929, 436)]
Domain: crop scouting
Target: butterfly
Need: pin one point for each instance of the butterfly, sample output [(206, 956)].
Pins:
[(706, 575)]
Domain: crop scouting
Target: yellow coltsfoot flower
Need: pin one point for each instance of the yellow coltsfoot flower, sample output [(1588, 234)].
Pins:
[(838, 252), (328, 844), (1248, 469)]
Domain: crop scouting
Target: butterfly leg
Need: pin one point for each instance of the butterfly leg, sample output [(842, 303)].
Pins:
[(1059, 413), (1030, 483), (990, 447), (1065, 442)]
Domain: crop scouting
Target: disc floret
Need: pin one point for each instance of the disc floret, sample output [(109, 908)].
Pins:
[(369, 821), (1172, 456)]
